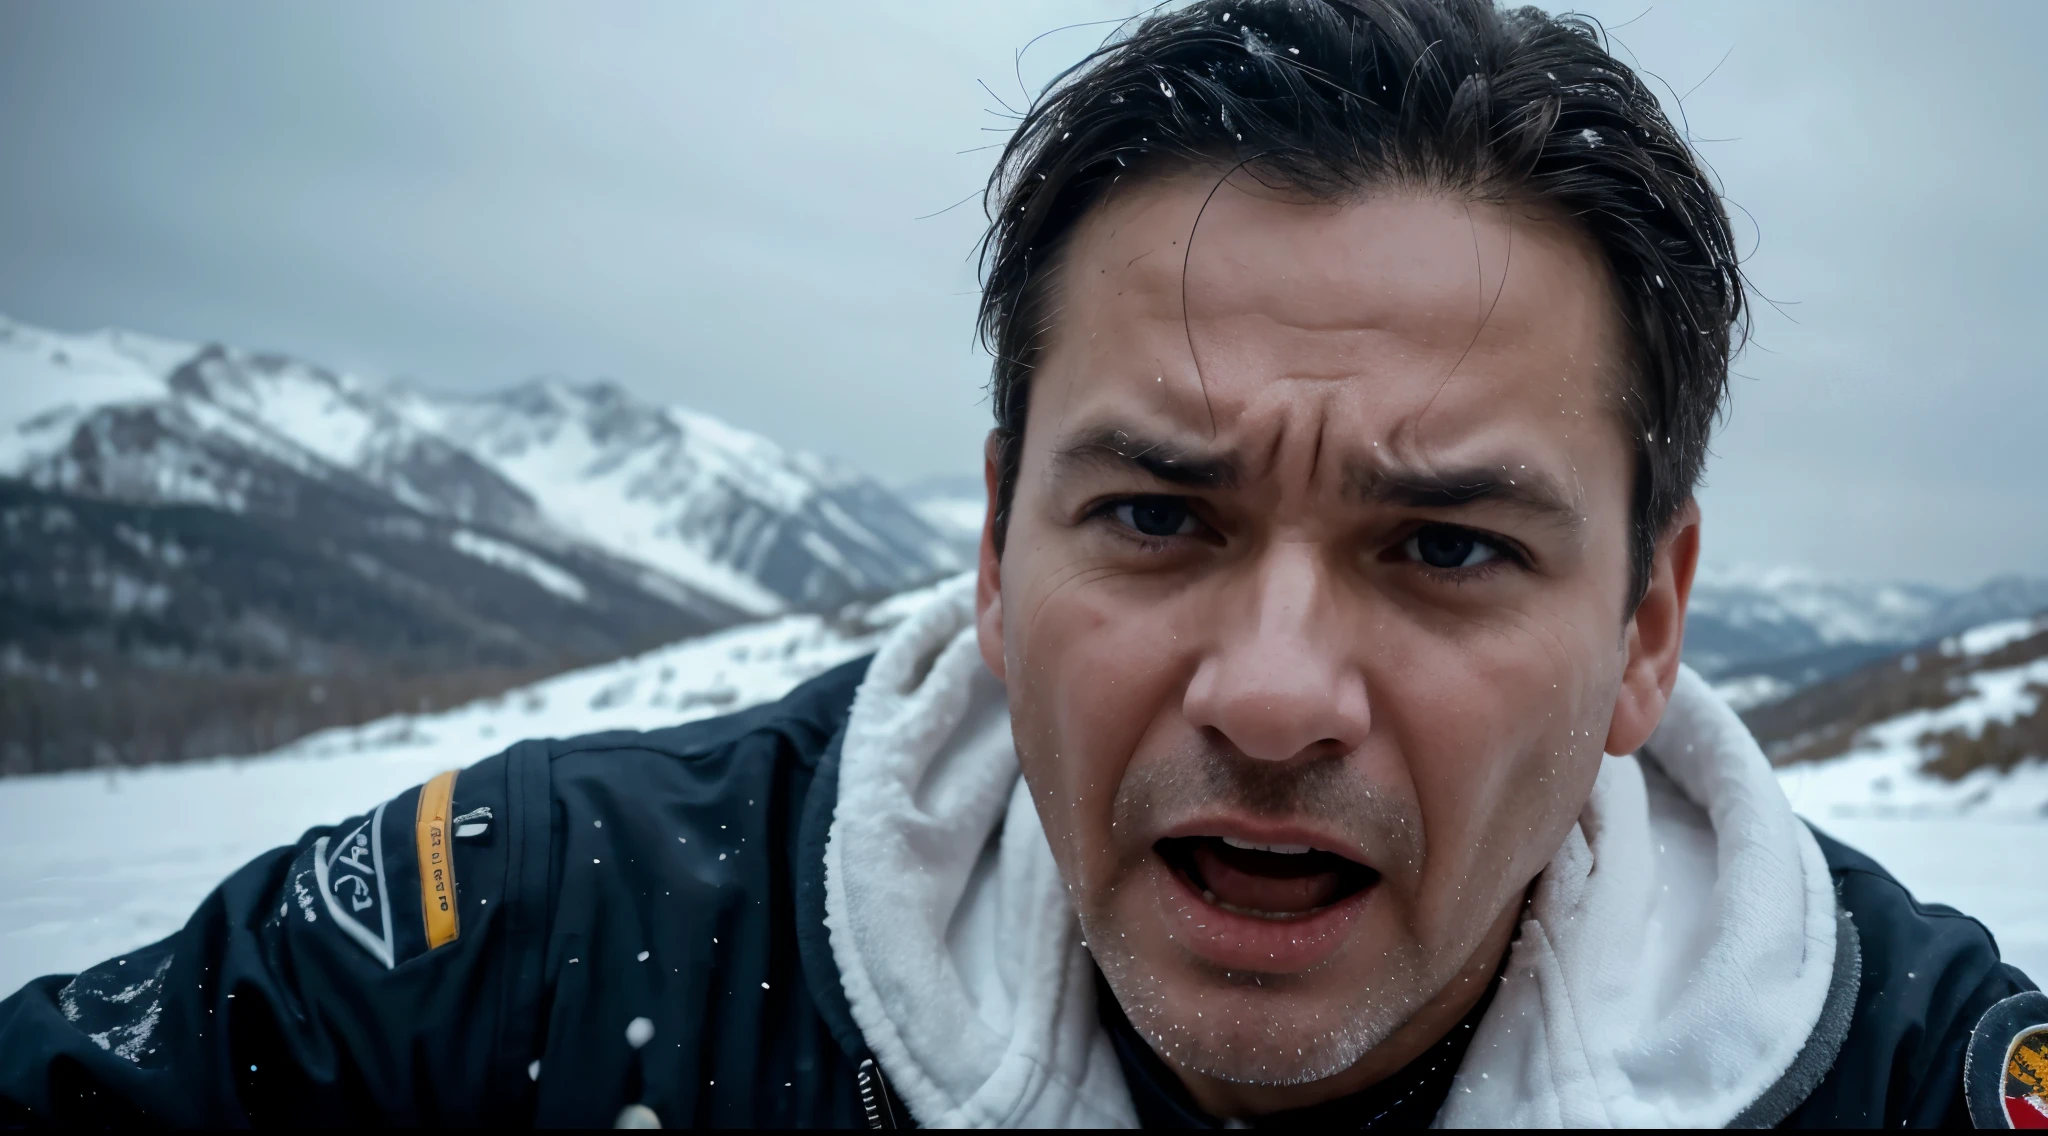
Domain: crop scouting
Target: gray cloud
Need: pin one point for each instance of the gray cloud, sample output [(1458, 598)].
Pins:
[(718, 204)]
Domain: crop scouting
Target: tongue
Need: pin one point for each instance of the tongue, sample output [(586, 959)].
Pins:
[(1263, 881)]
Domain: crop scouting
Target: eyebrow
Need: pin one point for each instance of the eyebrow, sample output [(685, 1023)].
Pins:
[(1516, 486), (1172, 462), (1510, 484)]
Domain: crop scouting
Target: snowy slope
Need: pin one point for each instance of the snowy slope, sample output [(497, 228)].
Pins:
[(1959, 729), (43, 370), (94, 864)]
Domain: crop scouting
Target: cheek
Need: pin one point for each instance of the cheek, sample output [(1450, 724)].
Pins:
[(1092, 680), (1501, 731)]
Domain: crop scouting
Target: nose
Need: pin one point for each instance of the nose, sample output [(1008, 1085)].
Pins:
[(1281, 680)]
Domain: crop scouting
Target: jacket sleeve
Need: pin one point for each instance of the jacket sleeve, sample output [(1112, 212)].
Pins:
[(382, 970)]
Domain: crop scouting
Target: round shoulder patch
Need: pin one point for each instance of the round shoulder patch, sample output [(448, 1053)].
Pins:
[(2005, 1075)]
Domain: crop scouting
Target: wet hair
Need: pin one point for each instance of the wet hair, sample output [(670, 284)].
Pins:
[(1333, 98)]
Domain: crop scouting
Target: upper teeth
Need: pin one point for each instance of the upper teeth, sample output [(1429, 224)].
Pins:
[(1283, 849)]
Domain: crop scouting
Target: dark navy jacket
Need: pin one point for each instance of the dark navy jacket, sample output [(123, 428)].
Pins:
[(640, 921)]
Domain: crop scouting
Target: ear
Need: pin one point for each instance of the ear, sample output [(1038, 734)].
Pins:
[(988, 584), (1656, 633)]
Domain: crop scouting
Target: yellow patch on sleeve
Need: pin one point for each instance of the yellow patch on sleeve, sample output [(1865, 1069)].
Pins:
[(437, 865)]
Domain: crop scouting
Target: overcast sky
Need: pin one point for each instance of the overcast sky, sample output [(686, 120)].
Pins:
[(720, 204)]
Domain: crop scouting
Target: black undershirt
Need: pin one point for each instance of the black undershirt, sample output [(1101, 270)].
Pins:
[(1408, 1099)]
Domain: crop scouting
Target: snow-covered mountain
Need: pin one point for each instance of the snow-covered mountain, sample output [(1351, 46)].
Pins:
[(705, 508), (1762, 633), (354, 428), (211, 550), (763, 528)]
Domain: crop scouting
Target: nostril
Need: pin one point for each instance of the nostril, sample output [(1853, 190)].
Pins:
[(1273, 708)]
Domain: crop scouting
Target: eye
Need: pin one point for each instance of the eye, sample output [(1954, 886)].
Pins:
[(1450, 547), (1156, 516)]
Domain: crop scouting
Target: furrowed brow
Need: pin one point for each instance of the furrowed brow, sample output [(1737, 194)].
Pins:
[(1516, 487), (1164, 460)]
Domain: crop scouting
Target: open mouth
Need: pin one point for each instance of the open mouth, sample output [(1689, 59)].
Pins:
[(1264, 881)]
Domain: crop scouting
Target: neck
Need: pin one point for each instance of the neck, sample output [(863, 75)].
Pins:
[(1235, 1100)]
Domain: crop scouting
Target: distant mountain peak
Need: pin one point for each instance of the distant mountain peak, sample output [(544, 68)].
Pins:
[(762, 526), (713, 508)]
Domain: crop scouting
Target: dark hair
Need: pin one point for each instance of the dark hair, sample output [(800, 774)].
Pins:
[(1331, 97)]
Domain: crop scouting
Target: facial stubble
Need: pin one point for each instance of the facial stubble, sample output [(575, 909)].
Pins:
[(1244, 1026)]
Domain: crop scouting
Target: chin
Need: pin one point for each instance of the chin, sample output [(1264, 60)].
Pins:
[(1245, 1033), (1244, 1026)]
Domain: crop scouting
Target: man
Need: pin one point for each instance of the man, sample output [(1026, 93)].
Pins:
[(1312, 746)]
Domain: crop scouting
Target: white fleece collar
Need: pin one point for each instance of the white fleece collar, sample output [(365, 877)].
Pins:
[(962, 961), (1675, 956)]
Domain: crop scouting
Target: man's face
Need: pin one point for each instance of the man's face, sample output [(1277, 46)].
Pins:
[(1312, 607)]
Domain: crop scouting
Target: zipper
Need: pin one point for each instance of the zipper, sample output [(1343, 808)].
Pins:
[(876, 1101)]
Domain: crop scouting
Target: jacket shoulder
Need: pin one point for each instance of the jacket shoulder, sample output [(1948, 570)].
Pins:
[(1928, 974)]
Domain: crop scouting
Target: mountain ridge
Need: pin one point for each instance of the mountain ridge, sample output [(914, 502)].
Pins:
[(719, 510), (1763, 633), (343, 550)]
